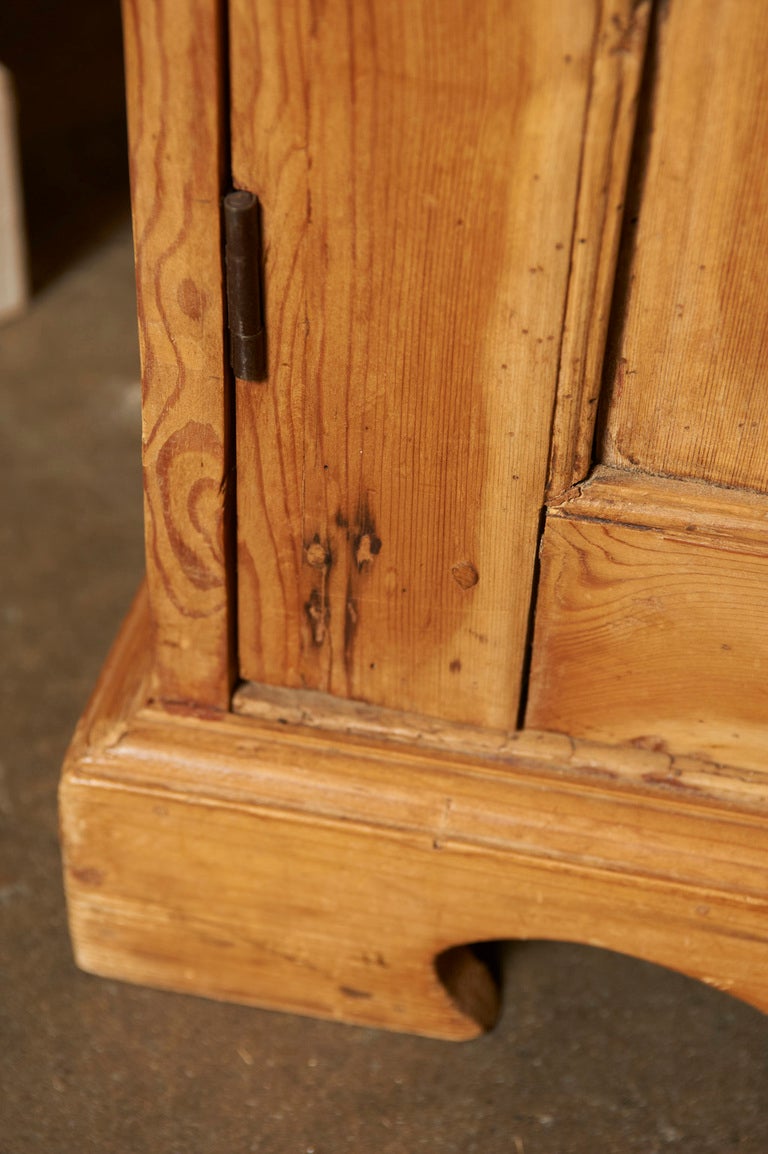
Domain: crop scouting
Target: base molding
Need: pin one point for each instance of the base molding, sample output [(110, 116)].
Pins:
[(340, 874)]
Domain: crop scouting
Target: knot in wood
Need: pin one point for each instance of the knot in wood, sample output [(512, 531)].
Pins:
[(368, 547), (317, 555), (465, 574)]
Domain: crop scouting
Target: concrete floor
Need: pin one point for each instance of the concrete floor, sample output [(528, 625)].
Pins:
[(595, 1052)]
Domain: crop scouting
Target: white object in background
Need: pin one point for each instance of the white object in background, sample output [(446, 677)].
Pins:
[(14, 280)]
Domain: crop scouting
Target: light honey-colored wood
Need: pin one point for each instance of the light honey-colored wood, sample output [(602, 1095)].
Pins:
[(175, 126), (285, 866), (651, 624), (332, 839), (689, 376), (560, 753), (418, 169), (617, 71)]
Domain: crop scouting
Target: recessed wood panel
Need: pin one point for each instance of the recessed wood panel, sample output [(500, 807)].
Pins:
[(689, 374), (652, 624), (417, 166)]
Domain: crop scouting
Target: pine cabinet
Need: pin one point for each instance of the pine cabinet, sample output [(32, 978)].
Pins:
[(454, 626)]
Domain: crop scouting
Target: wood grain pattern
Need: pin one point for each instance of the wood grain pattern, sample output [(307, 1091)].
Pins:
[(731, 519), (608, 134), (652, 625), (173, 64), (324, 873), (689, 368), (418, 168), (549, 752)]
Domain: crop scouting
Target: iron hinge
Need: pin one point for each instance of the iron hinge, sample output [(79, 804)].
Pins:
[(245, 305)]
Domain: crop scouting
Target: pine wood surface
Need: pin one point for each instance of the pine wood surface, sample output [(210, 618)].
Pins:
[(617, 71), (548, 751), (173, 67), (732, 519), (418, 170), (426, 176), (651, 621), (688, 388), (285, 866)]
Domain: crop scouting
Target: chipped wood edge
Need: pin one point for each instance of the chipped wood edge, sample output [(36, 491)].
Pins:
[(548, 751), (685, 510), (609, 132)]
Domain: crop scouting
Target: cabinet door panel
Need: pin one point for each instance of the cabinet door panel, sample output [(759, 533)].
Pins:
[(689, 377), (652, 626), (417, 166), (651, 618)]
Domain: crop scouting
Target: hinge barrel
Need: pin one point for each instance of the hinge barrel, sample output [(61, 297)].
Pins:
[(247, 336)]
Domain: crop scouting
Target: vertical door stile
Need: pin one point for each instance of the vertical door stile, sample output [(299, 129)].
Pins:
[(609, 133), (176, 125)]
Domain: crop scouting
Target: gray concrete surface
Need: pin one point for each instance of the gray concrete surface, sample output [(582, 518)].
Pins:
[(595, 1052)]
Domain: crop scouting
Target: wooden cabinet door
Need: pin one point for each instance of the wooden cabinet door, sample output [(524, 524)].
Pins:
[(441, 189), (652, 621), (424, 172)]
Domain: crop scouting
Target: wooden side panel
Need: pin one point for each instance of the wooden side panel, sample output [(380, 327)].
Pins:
[(173, 62), (690, 375), (418, 168), (652, 623)]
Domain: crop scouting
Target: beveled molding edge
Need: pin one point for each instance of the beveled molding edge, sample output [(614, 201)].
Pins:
[(638, 765), (530, 792), (682, 509), (538, 837)]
